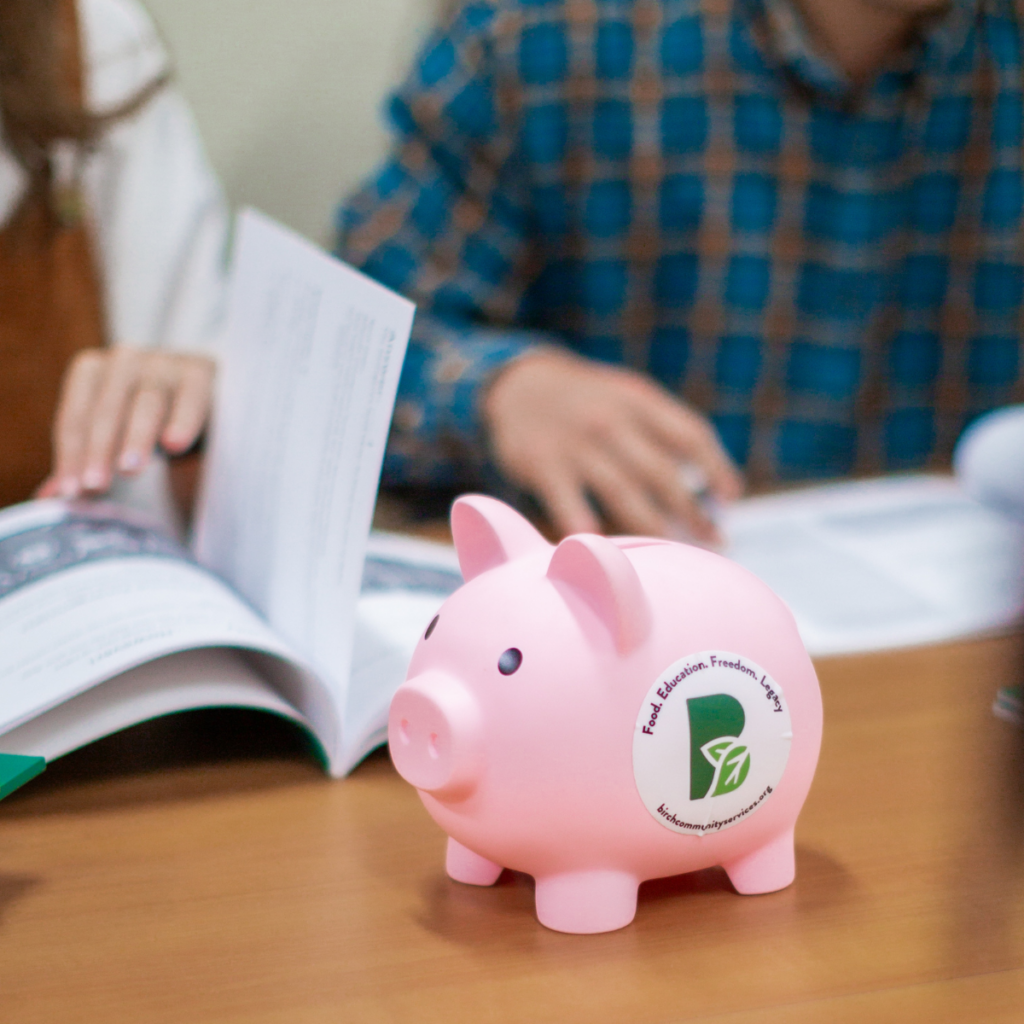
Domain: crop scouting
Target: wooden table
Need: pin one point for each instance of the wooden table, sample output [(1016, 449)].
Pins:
[(202, 869)]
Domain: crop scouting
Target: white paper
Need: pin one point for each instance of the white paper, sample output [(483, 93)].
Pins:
[(886, 563), (306, 389)]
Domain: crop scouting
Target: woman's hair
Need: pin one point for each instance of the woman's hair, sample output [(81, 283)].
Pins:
[(41, 82)]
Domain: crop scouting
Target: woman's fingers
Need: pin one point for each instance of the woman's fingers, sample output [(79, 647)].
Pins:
[(110, 414), (49, 488), (190, 406), (82, 381), (145, 421), (116, 405)]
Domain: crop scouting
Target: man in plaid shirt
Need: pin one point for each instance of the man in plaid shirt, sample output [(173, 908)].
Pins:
[(784, 234)]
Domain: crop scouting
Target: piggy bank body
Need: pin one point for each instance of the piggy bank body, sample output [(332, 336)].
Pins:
[(604, 712)]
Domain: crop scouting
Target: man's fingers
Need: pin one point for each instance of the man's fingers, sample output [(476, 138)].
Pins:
[(626, 501), (190, 407), (692, 437), (78, 394), (147, 415), (565, 502), (657, 470), (613, 435)]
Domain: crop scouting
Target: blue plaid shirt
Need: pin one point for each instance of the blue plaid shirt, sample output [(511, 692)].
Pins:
[(687, 187)]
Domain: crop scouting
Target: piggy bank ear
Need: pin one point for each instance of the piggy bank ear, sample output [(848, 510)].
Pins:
[(602, 575), (487, 532)]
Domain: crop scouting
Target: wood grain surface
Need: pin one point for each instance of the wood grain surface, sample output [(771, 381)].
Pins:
[(201, 869)]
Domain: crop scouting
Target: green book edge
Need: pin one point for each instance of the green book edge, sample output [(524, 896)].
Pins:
[(16, 770)]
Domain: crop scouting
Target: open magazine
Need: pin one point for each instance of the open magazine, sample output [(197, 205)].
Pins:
[(283, 604)]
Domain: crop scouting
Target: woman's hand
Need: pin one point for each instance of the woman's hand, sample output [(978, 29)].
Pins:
[(115, 406), (568, 429)]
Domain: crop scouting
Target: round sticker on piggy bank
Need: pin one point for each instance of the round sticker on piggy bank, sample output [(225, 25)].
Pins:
[(606, 711)]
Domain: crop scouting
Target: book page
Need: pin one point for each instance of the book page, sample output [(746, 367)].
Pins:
[(306, 388), (208, 678), (88, 591), (882, 563), (405, 581)]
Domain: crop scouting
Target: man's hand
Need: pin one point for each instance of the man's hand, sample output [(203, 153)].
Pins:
[(115, 406), (565, 428)]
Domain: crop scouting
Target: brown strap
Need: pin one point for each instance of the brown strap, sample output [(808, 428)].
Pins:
[(50, 299)]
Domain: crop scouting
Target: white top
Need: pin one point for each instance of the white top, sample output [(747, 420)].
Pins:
[(158, 215)]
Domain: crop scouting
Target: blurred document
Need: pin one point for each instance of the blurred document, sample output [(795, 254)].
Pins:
[(306, 389), (884, 563)]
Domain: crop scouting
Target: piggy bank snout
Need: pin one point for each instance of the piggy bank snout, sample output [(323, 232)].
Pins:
[(434, 732)]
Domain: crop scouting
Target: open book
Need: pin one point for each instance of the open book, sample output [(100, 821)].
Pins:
[(282, 605)]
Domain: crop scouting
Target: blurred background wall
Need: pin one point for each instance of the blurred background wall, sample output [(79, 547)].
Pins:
[(288, 93)]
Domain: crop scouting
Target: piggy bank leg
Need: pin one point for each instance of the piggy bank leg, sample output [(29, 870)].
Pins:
[(768, 869), (466, 866), (585, 902)]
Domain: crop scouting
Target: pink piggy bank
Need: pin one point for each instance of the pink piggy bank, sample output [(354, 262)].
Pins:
[(603, 712)]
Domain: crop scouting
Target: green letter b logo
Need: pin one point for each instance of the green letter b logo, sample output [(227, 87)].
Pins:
[(718, 761)]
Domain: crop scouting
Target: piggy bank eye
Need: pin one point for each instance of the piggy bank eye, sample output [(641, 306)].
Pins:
[(510, 661), (430, 628)]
